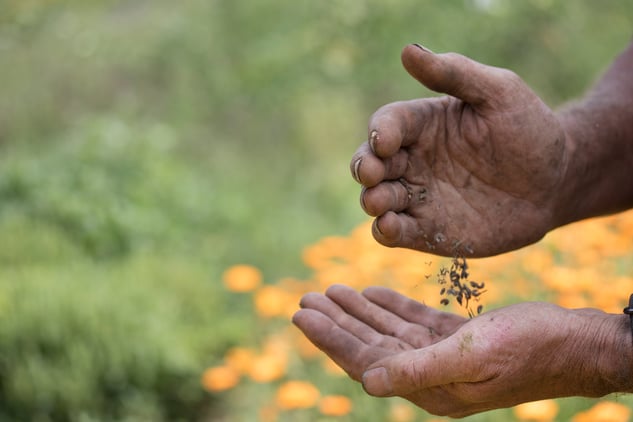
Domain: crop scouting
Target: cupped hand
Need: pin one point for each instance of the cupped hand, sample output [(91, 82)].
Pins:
[(453, 366), (477, 170)]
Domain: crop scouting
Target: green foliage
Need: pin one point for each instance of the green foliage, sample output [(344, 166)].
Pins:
[(98, 321), (128, 341), (108, 188)]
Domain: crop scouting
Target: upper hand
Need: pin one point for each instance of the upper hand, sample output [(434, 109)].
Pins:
[(477, 170), (453, 366)]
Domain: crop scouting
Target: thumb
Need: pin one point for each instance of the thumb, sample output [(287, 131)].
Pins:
[(415, 370), (455, 75)]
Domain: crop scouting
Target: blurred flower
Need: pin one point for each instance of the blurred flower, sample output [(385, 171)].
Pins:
[(605, 411), (240, 359), (242, 278), (272, 301), (335, 405), (563, 279), (401, 412), (573, 300), (297, 395), (539, 411), (267, 368), (537, 260), (320, 254), (305, 347), (331, 367), (278, 345), (567, 267), (220, 378)]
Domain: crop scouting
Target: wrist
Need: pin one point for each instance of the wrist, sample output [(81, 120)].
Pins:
[(581, 169), (610, 352), (596, 168), (565, 202)]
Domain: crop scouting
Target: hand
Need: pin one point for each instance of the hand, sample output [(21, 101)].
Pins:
[(453, 366), (478, 170)]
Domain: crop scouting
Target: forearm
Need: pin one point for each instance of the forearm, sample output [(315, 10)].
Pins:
[(598, 178)]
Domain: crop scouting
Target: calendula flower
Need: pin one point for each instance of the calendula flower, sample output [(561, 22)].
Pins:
[(240, 358), (272, 301), (242, 278), (537, 411), (335, 405), (401, 412), (605, 411), (220, 378), (297, 395), (332, 368), (267, 368)]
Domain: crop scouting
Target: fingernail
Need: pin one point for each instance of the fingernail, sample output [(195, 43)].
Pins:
[(355, 170), (423, 48), (376, 228), (362, 199), (377, 382), (373, 138)]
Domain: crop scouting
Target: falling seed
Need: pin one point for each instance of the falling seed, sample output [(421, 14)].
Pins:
[(462, 291)]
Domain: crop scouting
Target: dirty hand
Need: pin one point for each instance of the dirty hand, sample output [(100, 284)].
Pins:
[(477, 170), (453, 366)]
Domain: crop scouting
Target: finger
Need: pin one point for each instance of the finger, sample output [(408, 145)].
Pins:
[(440, 323), (456, 75), (352, 322), (411, 231), (399, 124), (366, 168), (386, 196), (369, 170), (348, 351), (331, 309), (402, 374), (400, 229), (394, 329)]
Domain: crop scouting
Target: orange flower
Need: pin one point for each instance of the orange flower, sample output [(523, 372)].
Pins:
[(541, 411), (272, 301), (331, 367), (267, 368), (326, 252), (572, 301), (401, 412), (220, 378), (278, 345), (240, 358), (335, 405), (242, 278), (560, 279), (624, 224), (297, 395), (604, 412), (536, 261), (304, 346)]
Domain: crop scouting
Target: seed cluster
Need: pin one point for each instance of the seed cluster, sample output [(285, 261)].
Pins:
[(455, 282)]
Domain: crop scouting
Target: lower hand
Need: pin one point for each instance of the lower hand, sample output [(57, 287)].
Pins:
[(449, 365)]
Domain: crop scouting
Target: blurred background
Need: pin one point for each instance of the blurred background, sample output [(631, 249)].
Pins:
[(147, 146)]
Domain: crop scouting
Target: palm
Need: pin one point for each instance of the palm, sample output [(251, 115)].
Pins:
[(358, 330)]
